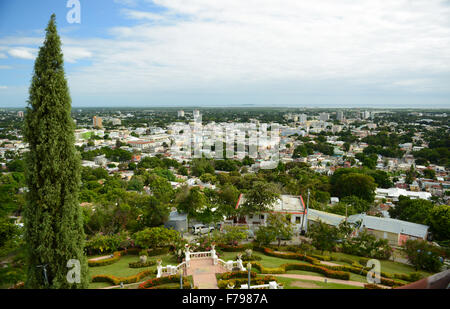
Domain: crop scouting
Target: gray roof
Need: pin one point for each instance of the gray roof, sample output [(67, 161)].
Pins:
[(325, 217), (176, 216), (391, 225)]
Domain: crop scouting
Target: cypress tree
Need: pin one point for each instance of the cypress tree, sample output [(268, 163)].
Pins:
[(52, 216)]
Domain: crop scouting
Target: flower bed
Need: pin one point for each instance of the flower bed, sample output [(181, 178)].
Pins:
[(305, 267), (223, 284), (238, 248), (115, 257), (235, 274), (153, 283), (117, 280)]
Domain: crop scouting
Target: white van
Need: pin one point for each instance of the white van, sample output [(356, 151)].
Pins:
[(201, 229)]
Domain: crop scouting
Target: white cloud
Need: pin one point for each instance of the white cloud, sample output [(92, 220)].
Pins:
[(72, 53), (204, 45), (5, 67), (140, 15), (3, 56), (3, 87), (22, 53), (126, 2)]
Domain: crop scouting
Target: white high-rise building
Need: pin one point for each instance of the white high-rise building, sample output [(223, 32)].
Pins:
[(324, 116), (180, 113), (302, 118), (340, 115), (196, 113)]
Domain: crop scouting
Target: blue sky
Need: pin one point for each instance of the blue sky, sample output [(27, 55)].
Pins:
[(367, 53)]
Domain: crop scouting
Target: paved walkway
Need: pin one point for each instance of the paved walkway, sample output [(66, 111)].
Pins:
[(204, 272), (322, 279)]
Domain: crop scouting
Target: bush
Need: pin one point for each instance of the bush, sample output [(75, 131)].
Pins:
[(372, 286), (117, 280), (237, 248), (155, 236), (99, 244), (223, 284), (422, 255), (154, 282), (367, 245), (113, 259), (235, 275), (246, 258), (141, 265)]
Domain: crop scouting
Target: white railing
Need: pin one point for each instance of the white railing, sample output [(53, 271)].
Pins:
[(170, 270), (199, 255), (229, 265), (273, 285)]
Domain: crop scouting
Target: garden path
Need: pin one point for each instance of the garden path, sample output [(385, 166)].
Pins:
[(204, 272), (322, 279)]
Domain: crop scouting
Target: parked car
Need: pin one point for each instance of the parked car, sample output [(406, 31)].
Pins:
[(201, 229)]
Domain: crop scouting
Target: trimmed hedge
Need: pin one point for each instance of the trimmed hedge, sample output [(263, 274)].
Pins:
[(371, 286), (139, 264), (108, 261), (356, 268), (154, 282), (235, 275), (117, 280), (305, 267), (223, 284), (238, 248), (118, 254)]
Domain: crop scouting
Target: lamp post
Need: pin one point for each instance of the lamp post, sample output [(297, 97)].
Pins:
[(249, 268), (181, 277)]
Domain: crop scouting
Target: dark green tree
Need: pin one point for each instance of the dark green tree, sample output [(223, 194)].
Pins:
[(53, 218)]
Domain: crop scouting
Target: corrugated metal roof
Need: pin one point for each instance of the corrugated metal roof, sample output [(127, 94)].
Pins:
[(391, 225), (326, 217)]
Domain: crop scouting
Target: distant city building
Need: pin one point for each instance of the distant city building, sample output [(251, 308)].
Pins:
[(365, 115), (97, 122), (20, 114), (324, 116), (302, 118), (180, 113), (340, 116), (196, 113), (116, 122)]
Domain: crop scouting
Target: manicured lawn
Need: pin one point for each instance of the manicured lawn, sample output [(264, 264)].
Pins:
[(290, 283), (386, 265), (121, 268), (266, 261)]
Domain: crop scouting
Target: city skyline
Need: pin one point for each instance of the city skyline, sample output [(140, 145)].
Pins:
[(143, 53)]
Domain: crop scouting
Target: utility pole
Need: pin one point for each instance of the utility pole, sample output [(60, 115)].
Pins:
[(307, 210)]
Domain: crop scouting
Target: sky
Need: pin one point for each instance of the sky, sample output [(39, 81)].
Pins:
[(294, 53)]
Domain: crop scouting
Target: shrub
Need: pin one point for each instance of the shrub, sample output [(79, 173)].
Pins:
[(108, 261), (372, 286), (99, 244), (117, 280), (113, 259), (155, 236), (223, 284), (247, 258), (141, 265), (237, 248), (235, 274), (367, 245), (422, 255), (154, 282)]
